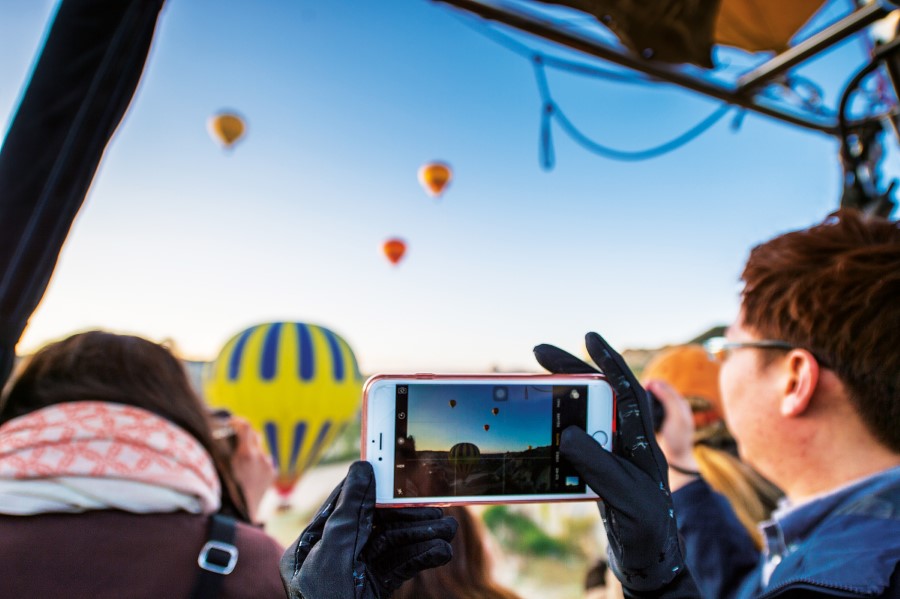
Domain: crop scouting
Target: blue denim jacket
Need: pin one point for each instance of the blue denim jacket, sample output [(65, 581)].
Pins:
[(845, 544)]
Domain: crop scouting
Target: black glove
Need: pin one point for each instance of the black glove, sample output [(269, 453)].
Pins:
[(353, 551), (633, 481)]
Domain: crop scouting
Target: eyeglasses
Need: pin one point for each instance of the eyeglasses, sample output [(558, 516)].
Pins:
[(719, 348)]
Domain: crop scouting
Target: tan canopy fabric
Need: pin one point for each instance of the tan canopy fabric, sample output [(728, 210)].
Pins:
[(757, 25), (680, 31)]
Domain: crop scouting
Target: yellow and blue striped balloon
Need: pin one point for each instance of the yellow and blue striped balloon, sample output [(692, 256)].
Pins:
[(298, 384)]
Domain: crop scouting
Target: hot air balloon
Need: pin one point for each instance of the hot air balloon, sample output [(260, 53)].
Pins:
[(464, 457), (487, 427), (298, 385), (452, 403), (495, 411), (434, 177), (226, 128), (394, 249)]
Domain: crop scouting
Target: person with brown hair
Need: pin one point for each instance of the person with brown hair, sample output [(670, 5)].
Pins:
[(467, 575), (110, 480), (810, 384)]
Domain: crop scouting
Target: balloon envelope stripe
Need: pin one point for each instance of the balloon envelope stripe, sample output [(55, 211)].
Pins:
[(355, 364), (270, 352), (272, 437), (337, 359), (299, 434), (234, 364), (307, 367), (317, 446)]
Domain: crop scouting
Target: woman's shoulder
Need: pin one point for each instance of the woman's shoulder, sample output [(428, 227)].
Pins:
[(256, 538), (120, 546)]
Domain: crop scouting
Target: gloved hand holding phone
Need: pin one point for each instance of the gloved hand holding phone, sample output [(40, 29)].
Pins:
[(351, 550), (636, 506)]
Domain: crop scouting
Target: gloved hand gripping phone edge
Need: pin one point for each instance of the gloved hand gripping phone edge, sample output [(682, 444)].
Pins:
[(352, 550), (645, 551)]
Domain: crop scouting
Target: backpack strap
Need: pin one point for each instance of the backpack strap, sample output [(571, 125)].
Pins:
[(217, 559)]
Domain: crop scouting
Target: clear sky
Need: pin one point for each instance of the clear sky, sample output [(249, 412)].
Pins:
[(344, 100)]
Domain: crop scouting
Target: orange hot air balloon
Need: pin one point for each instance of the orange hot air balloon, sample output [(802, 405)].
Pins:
[(452, 403), (394, 250), (434, 177), (495, 411), (487, 427), (226, 128)]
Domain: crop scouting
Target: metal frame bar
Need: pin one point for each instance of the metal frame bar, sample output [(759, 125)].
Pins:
[(828, 37), (743, 96)]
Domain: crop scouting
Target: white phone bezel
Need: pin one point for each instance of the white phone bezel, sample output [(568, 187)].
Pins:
[(377, 447)]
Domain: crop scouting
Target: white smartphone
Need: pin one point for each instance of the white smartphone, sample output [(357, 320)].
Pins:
[(463, 439)]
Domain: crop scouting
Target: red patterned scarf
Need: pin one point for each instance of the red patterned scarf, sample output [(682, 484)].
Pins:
[(87, 455)]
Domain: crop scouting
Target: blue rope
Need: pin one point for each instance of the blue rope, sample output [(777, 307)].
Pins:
[(659, 150), (550, 110)]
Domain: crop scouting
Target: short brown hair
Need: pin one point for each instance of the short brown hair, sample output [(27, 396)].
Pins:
[(834, 289), (102, 366)]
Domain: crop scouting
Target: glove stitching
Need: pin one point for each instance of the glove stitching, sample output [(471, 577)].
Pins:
[(359, 577), (632, 400)]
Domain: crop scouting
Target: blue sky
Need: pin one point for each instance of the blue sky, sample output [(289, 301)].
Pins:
[(438, 425), (344, 101)]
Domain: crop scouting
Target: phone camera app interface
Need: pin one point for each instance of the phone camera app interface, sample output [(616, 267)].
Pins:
[(483, 439)]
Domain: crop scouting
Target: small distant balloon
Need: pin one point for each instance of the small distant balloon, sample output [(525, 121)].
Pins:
[(487, 427), (452, 403), (434, 177), (226, 128), (495, 411), (394, 250)]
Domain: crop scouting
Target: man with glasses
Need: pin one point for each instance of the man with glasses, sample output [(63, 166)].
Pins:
[(810, 382)]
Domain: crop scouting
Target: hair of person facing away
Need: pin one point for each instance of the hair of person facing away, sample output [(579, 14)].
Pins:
[(467, 576), (752, 497), (834, 289), (102, 366)]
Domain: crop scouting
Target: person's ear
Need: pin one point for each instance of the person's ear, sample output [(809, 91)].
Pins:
[(801, 378)]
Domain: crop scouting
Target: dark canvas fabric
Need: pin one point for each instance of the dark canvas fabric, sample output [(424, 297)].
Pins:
[(81, 86)]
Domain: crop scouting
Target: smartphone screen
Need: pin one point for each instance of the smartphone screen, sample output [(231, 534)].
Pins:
[(445, 439), (480, 440)]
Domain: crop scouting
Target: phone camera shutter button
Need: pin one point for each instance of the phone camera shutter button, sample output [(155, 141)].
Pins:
[(601, 437)]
